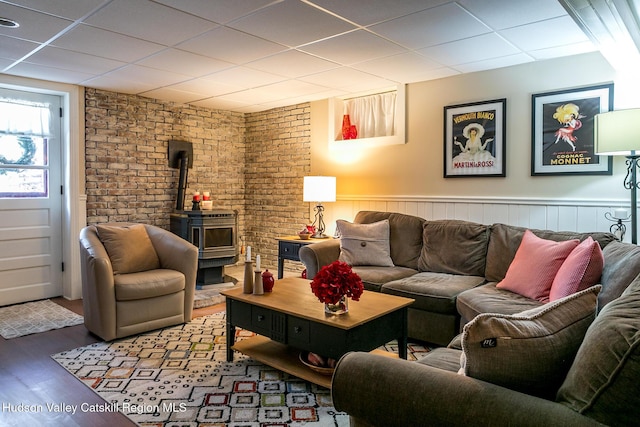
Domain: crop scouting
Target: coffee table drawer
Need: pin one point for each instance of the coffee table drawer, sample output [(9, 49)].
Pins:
[(297, 331), (261, 320)]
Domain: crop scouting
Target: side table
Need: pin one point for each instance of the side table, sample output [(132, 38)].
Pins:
[(288, 248)]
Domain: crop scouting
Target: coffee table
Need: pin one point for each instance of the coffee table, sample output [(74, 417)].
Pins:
[(291, 319)]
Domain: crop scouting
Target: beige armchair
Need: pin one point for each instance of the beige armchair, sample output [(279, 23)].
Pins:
[(135, 278)]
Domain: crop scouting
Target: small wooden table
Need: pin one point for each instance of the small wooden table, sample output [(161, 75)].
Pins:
[(289, 247), (291, 319)]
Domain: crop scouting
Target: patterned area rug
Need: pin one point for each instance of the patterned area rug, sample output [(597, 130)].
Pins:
[(34, 317), (179, 376)]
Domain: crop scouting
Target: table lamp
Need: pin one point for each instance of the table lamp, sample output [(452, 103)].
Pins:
[(319, 189), (616, 134)]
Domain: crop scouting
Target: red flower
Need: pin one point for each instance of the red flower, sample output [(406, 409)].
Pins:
[(335, 280)]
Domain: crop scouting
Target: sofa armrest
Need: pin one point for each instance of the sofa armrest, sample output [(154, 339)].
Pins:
[(384, 391), (317, 255)]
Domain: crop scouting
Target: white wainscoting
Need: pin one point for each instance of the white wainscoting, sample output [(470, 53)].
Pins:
[(549, 214)]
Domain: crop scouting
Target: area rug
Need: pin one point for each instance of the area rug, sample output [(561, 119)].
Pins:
[(34, 317), (210, 295), (179, 377)]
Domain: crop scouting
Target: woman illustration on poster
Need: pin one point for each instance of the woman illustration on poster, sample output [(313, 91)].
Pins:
[(568, 115)]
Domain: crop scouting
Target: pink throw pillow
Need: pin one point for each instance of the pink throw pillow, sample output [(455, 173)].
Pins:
[(581, 270), (535, 265)]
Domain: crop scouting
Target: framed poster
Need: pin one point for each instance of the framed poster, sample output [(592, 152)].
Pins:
[(474, 139), (562, 131)]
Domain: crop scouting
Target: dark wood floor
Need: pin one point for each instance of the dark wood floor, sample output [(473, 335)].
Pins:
[(28, 376)]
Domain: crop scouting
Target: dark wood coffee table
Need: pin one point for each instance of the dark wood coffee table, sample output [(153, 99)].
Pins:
[(291, 319)]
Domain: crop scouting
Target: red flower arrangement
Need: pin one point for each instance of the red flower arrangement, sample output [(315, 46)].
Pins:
[(336, 280)]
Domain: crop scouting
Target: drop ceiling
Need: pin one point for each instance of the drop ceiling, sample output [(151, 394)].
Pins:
[(253, 55)]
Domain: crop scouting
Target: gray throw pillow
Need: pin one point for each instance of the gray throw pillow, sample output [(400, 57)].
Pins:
[(365, 244), (530, 351)]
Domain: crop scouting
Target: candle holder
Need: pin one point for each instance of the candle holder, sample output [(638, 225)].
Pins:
[(618, 228)]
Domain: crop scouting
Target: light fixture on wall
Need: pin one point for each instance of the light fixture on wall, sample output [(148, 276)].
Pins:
[(616, 134), (319, 189)]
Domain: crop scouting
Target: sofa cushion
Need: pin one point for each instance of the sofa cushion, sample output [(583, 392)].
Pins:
[(581, 270), (129, 248), (405, 235), (148, 284), (621, 267), (454, 246), (530, 351), (374, 277), (365, 244), (505, 240), (535, 266), (489, 299), (603, 380), (434, 292), (442, 358)]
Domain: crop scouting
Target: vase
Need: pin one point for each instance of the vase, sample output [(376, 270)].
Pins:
[(341, 307)]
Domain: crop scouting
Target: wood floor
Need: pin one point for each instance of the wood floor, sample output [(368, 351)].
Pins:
[(28, 376)]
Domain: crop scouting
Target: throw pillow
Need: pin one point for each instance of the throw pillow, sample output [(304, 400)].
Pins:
[(603, 380), (365, 244), (581, 269), (129, 247), (535, 266), (531, 351)]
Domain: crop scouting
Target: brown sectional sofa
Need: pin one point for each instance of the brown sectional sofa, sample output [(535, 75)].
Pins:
[(450, 268)]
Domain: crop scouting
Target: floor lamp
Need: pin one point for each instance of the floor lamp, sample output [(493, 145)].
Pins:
[(319, 189), (616, 134)]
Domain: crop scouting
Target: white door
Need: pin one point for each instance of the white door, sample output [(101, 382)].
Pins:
[(30, 196)]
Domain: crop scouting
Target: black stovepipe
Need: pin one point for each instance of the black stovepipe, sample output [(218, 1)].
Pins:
[(183, 158)]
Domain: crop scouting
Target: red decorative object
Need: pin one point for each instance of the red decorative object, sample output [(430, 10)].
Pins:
[(267, 281), (349, 131), (336, 280)]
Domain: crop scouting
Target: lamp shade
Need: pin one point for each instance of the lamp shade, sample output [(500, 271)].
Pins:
[(616, 133), (319, 189)]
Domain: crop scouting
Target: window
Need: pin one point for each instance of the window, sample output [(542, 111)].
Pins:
[(24, 133)]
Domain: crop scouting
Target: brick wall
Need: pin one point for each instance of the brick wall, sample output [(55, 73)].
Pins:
[(252, 163)]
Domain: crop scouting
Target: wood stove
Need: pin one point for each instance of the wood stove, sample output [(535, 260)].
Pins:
[(215, 234)]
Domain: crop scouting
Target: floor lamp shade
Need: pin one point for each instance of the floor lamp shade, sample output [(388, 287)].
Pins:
[(319, 189), (616, 133)]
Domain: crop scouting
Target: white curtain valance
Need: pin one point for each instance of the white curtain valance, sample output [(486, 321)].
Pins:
[(373, 115), (23, 117)]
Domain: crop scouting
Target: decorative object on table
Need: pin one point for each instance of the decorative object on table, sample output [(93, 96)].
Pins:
[(195, 204), (349, 131), (258, 289), (615, 134), (267, 280), (563, 139), (307, 232), (248, 273), (207, 203), (475, 139), (320, 364), (334, 285), (319, 189), (618, 217)]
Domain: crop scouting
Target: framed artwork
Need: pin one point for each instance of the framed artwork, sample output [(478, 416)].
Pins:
[(562, 131), (474, 139)]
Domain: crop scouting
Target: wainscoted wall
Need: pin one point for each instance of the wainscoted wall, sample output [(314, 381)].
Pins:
[(565, 215)]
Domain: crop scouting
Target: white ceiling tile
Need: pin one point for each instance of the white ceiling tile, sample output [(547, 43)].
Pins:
[(47, 73), (218, 11), (221, 104), (179, 61), (434, 26), (244, 77), (174, 95), (118, 84), (75, 61), (34, 26), (513, 13), (489, 64), (292, 64), (362, 12), (206, 88), (463, 51), (356, 46), (13, 48), (70, 9), (399, 68), (149, 21), (150, 76), (107, 44), (544, 34), (230, 45), (567, 50), (347, 79), (291, 23)]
